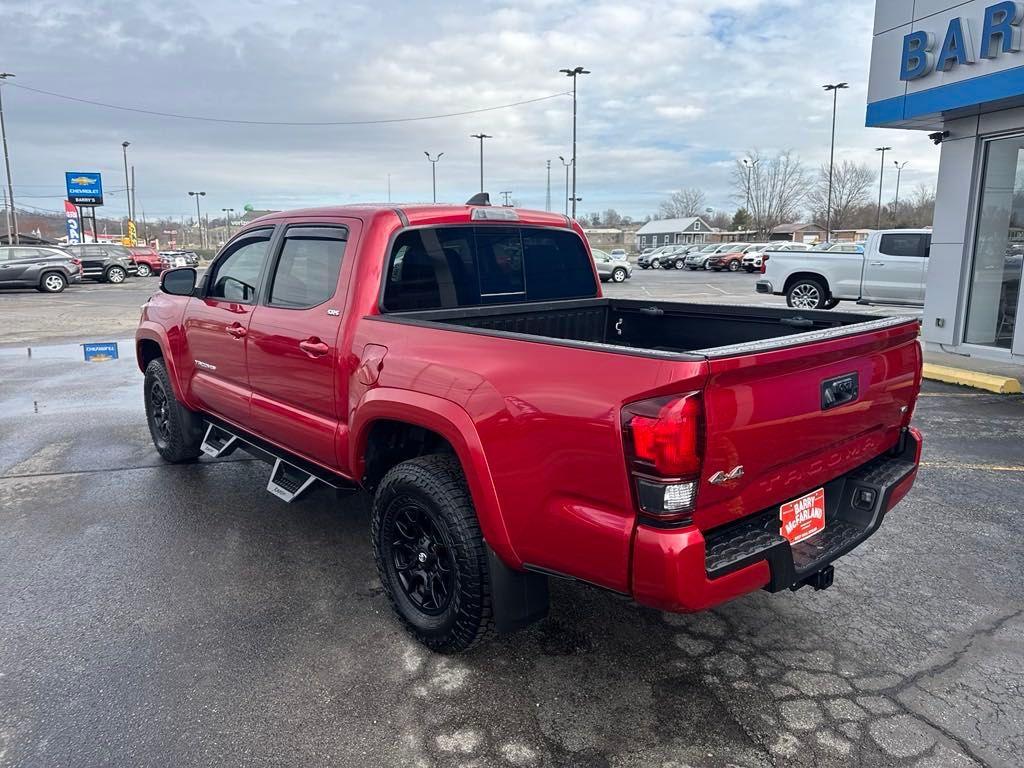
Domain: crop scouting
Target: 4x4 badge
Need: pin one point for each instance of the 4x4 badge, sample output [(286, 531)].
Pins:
[(721, 478)]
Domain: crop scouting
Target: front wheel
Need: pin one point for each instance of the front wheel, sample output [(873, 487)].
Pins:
[(53, 282), (144, 270), (734, 266), (679, 263), (176, 431), (807, 294), (430, 554), (655, 265), (619, 275), (116, 275)]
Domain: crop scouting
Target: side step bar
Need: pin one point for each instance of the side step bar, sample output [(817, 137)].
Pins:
[(290, 477)]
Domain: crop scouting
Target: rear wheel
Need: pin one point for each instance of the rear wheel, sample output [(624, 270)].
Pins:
[(144, 270), (53, 282), (807, 294), (115, 275), (176, 431), (430, 554), (619, 275)]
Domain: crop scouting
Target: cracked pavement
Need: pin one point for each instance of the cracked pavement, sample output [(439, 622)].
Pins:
[(158, 615)]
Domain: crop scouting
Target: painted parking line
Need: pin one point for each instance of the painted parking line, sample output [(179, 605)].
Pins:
[(956, 465)]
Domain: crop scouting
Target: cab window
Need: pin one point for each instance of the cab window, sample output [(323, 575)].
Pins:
[(307, 269), (236, 275)]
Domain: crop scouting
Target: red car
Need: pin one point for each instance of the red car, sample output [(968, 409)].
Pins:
[(147, 260), (460, 364)]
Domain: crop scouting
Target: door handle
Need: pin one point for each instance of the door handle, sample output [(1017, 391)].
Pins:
[(237, 330), (877, 263), (314, 347)]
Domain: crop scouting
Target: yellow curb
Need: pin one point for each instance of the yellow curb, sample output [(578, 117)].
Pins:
[(1002, 385)]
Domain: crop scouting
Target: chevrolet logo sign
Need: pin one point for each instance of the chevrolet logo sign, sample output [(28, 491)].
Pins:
[(83, 181)]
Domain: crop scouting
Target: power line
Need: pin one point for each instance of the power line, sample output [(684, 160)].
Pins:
[(286, 123)]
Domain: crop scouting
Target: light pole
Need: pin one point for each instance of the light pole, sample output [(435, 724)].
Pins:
[(433, 170), (881, 177), (199, 217), (227, 218), (481, 136), (547, 204), (899, 172), (127, 180), (7, 164), (574, 73), (568, 165), (835, 88), (750, 166)]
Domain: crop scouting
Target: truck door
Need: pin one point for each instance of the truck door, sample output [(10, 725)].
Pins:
[(217, 323), (297, 369), (894, 269)]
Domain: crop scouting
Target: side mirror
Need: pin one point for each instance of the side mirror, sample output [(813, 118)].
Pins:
[(179, 282)]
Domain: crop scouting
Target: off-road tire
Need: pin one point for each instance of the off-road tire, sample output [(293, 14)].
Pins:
[(437, 486), (181, 440), (52, 282)]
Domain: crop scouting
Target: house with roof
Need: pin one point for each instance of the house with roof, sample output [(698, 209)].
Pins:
[(798, 233), (659, 232)]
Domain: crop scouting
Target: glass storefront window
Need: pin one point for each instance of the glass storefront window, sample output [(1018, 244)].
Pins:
[(999, 247)]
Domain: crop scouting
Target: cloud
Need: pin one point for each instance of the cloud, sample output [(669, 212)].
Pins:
[(678, 88)]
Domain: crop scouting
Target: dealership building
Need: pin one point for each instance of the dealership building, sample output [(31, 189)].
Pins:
[(955, 70)]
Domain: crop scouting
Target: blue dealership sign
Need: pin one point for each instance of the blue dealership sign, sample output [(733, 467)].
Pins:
[(99, 353), (84, 188)]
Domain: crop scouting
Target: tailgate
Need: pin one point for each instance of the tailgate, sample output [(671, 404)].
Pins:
[(782, 415)]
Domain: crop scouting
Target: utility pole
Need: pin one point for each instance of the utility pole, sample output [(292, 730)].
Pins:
[(574, 73), (7, 165), (199, 217), (568, 165), (835, 88), (7, 218), (227, 219), (899, 172), (127, 181), (135, 211), (433, 171), (505, 194), (881, 177), (481, 136), (547, 204), (751, 165)]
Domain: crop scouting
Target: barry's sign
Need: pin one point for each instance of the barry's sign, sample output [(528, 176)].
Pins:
[(1000, 33)]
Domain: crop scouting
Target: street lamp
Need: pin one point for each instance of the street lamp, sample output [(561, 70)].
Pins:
[(481, 136), (899, 172), (7, 165), (881, 177), (574, 73), (199, 217), (568, 165), (835, 88), (227, 217), (433, 170), (750, 166)]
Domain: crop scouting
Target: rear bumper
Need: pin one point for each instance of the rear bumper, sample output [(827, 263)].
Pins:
[(684, 570), (764, 286)]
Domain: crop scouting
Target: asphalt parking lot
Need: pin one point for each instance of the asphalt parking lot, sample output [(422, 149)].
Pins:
[(180, 615)]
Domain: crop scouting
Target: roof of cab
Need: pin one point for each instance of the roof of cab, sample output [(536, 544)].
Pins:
[(419, 214)]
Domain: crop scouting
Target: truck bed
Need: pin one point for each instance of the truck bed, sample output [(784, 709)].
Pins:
[(656, 328)]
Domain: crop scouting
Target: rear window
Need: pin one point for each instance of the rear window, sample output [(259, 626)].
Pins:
[(909, 244), (469, 266)]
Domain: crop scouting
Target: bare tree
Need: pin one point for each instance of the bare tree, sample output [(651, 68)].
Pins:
[(771, 188), (721, 220), (683, 204), (851, 185)]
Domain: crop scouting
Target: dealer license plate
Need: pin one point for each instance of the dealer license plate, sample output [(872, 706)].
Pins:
[(804, 517)]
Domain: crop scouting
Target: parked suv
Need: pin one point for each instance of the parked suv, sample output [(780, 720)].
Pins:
[(752, 260), (146, 260), (104, 262), (46, 269), (728, 258), (610, 268)]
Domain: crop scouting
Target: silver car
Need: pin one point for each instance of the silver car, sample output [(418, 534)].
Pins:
[(611, 269)]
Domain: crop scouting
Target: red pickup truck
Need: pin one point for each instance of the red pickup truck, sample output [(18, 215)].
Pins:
[(460, 364)]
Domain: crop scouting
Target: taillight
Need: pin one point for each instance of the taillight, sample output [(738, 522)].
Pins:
[(664, 448), (764, 264)]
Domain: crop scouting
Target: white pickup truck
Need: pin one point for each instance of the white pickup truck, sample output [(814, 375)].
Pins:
[(892, 270)]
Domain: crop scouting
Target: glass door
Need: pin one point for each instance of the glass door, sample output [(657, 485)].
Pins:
[(998, 249)]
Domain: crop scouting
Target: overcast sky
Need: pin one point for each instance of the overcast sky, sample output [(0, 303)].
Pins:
[(679, 90)]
